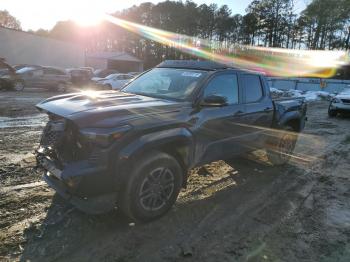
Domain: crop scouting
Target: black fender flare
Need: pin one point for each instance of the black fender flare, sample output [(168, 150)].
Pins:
[(178, 137), (292, 116)]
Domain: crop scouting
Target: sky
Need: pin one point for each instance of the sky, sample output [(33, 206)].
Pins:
[(35, 14)]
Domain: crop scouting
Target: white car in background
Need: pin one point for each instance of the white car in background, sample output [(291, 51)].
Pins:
[(115, 81), (340, 103)]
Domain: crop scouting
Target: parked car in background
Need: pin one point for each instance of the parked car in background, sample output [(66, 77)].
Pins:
[(20, 66), (134, 73), (79, 76), (45, 77), (340, 104), (9, 79), (102, 73), (90, 69), (115, 81)]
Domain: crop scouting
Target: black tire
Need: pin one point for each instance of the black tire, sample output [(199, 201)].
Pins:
[(332, 113), (152, 187), (2, 85), (18, 86), (108, 87), (281, 148)]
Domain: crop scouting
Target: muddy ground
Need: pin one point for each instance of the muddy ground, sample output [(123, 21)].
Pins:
[(237, 210)]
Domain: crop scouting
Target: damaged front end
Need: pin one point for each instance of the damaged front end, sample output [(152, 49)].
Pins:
[(75, 167)]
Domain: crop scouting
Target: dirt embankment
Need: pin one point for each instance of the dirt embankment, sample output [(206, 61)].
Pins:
[(237, 210)]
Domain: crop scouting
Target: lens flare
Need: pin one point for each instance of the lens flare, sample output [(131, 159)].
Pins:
[(271, 61)]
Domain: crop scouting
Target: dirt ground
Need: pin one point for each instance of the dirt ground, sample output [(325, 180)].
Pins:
[(238, 210)]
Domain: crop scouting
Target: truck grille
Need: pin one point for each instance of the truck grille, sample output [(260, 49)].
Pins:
[(53, 134), (60, 142)]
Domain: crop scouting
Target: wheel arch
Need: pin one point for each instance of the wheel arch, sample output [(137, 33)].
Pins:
[(177, 142), (293, 119)]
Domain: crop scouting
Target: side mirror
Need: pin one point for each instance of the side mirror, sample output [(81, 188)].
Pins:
[(214, 100)]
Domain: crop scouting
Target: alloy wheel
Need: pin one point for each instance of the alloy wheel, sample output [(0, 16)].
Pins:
[(156, 189)]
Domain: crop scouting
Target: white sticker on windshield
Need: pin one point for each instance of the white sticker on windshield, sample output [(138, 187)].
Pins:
[(191, 74)]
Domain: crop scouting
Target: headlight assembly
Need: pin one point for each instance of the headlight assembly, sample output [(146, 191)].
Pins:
[(336, 100), (104, 136)]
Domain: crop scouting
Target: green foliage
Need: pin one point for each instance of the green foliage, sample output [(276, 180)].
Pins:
[(324, 24)]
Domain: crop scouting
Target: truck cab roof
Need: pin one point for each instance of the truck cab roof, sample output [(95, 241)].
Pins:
[(201, 65)]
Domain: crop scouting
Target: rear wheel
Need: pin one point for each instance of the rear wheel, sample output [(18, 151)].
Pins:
[(282, 147), (152, 187)]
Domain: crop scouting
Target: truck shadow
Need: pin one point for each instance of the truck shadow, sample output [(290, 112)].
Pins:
[(66, 234)]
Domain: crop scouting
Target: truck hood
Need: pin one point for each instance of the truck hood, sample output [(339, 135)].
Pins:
[(104, 109)]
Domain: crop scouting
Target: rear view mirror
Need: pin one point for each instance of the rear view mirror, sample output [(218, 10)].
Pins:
[(214, 100)]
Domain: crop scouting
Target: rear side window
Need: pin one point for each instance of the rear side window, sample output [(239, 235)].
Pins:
[(253, 88), (53, 71), (225, 85)]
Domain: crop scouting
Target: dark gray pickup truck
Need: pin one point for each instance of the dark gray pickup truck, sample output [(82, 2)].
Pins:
[(133, 148)]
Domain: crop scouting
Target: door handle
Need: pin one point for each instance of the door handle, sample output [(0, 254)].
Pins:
[(267, 109)]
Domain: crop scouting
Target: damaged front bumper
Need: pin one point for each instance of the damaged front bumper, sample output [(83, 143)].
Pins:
[(81, 184)]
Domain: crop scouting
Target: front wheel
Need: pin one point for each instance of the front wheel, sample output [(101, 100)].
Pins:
[(108, 87), (332, 113), (61, 87), (152, 187), (18, 86), (281, 148)]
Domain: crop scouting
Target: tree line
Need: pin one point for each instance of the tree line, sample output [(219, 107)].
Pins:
[(324, 24)]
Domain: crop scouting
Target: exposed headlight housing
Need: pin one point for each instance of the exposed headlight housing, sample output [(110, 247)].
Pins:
[(336, 100), (104, 136)]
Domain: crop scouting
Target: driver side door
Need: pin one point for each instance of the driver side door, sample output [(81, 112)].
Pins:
[(219, 131)]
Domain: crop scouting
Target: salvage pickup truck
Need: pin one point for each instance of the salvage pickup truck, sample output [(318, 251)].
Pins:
[(133, 148)]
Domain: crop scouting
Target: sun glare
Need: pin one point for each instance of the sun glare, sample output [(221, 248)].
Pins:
[(88, 18), (86, 13)]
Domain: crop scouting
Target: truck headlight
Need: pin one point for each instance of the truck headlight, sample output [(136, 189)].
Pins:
[(336, 100), (104, 136)]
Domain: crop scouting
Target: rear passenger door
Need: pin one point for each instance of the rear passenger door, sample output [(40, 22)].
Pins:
[(258, 109)]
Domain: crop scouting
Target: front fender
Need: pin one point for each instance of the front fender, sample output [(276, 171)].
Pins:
[(179, 140), (180, 136)]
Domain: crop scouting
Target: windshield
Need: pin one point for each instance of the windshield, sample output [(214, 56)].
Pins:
[(25, 69), (166, 83)]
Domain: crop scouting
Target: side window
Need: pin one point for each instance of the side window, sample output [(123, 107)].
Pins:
[(53, 71), (128, 76), (125, 77), (37, 73), (48, 71), (253, 88), (225, 85)]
